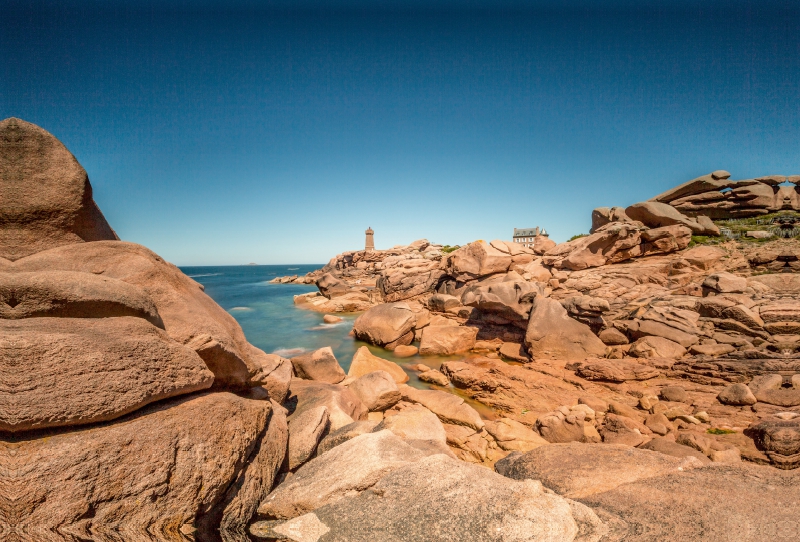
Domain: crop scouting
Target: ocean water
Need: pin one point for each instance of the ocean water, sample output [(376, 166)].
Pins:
[(272, 322)]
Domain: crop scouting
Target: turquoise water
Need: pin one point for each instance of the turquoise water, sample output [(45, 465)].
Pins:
[(271, 321)]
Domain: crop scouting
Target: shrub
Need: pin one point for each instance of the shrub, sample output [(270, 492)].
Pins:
[(577, 236), (447, 249)]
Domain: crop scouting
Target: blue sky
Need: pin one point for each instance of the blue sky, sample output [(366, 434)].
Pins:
[(277, 132)]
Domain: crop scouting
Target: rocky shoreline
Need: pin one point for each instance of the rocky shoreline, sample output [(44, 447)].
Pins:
[(640, 388)]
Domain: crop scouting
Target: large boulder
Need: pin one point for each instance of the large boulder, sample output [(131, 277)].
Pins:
[(190, 463), (45, 193), (71, 371), (399, 283), (655, 214), (330, 286), (576, 470), (713, 182), (552, 334), (319, 365), (343, 471), (511, 435), (387, 325), (306, 428), (365, 362), (376, 390), (509, 300), (438, 499), (447, 340), (477, 259), (614, 242), (714, 502), (448, 407), (416, 425), (343, 405)]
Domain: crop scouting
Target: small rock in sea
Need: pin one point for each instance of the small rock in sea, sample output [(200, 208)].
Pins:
[(405, 351), (331, 319)]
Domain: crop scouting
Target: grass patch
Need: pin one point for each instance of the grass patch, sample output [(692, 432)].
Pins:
[(577, 236), (447, 249), (717, 431), (705, 240)]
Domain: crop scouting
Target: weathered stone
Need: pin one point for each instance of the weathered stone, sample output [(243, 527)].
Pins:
[(319, 365), (674, 393), (177, 469), (612, 336), (434, 377), (616, 371), (447, 340), (556, 427), (737, 395), (654, 214), (306, 428), (552, 334), (51, 198), (656, 347), (475, 260), (343, 405), (448, 407), (511, 435), (725, 283), (772, 389), (509, 300), (514, 352), (376, 390), (365, 362), (388, 325), (443, 302), (73, 371), (577, 470), (650, 328), (405, 351), (347, 469), (415, 424), (437, 499), (330, 286)]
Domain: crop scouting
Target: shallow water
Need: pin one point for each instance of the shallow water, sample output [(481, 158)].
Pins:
[(272, 322)]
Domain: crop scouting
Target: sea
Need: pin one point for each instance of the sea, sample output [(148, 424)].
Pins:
[(273, 323)]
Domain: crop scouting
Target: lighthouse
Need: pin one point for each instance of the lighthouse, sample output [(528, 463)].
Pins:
[(369, 246)]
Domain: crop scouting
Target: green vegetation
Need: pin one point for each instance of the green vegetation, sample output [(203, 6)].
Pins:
[(738, 227), (717, 431), (577, 236), (705, 240), (447, 249)]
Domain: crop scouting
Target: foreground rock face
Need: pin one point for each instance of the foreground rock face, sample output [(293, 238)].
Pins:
[(441, 499), (176, 471), (117, 373)]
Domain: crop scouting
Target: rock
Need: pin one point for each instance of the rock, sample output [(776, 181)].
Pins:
[(330, 286), (415, 425), (511, 435), (447, 340), (345, 433), (475, 260), (509, 300), (654, 214), (681, 506), (737, 395), (712, 182), (50, 191), (405, 351), (578, 470), (779, 437), (306, 428), (343, 405), (331, 319), (319, 365), (438, 499), (556, 427), (347, 469), (649, 328), (376, 390), (434, 377), (542, 243), (388, 325), (81, 370), (728, 455), (514, 352), (616, 371), (711, 349), (178, 470), (612, 243), (443, 302), (552, 334), (621, 409), (773, 390), (612, 336), (605, 215), (595, 403), (448, 407), (623, 430), (365, 362), (669, 447), (656, 347), (401, 282), (675, 394), (703, 256), (725, 283)]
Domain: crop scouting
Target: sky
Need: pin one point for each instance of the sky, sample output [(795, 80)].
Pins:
[(277, 131)]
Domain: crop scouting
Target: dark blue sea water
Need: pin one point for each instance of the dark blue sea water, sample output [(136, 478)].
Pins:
[(272, 322)]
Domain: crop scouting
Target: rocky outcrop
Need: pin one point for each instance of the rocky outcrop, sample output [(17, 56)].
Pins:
[(553, 334), (440, 499), (116, 373), (388, 325)]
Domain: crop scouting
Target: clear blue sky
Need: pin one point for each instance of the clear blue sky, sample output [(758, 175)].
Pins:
[(279, 134)]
